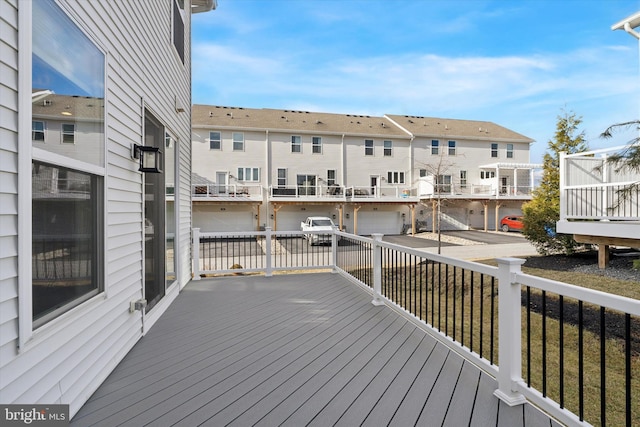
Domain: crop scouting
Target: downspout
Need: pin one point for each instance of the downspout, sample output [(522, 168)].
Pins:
[(267, 216), (628, 29)]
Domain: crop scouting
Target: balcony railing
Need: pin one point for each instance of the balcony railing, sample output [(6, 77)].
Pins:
[(452, 190), (381, 192), (591, 189), (240, 191), (560, 346), (305, 191)]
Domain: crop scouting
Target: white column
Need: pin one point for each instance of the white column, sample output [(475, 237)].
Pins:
[(196, 253), (510, 333), (377, 269)]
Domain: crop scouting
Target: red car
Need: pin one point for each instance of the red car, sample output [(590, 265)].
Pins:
[(509, 223)]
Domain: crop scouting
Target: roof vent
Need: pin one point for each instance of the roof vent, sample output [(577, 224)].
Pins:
[(318, 122), (46, 102), (210, 113)]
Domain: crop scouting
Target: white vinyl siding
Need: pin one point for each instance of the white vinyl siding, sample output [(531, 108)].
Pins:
[(66, 362)]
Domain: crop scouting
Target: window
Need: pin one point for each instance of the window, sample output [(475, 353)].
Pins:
[(423, 173), (215, 142), (306, 185), (68, 211), (434, 146), (463, 179), (331, 177), (316, 145), (282, 177), (494, 150), (178, 28), (238, 141), (388, 148), (443, 183), (487, 174), (395, 177), (368, 147), (37, 131), (452, 148), (68, 133), (249, 174), (296, 144), (509, 151)]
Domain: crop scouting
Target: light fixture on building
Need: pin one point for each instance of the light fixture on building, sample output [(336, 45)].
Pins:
[(333, 216), (346, 215), (150, 158)]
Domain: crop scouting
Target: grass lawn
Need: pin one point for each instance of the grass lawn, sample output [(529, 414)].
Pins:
[(552, 343)]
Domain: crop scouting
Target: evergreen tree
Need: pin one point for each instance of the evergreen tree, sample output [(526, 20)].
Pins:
[(543, 211)]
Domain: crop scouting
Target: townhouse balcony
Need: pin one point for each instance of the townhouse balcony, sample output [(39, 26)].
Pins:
[(308, 193), (380, 193), (381, 335), (227, 193), (597, 200), (475, 191)]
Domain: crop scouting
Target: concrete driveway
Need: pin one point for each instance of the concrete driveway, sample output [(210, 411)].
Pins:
[(489, 237)]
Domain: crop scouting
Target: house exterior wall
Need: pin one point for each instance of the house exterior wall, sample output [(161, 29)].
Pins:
[(66, 359), (361, 150)]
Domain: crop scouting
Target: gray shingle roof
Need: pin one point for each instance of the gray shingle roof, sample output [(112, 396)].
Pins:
[(390, 125)]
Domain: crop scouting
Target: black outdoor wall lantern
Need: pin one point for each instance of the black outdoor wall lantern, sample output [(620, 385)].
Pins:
[(150, 158)]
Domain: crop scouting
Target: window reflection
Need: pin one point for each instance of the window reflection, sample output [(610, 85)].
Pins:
[(68, 86)]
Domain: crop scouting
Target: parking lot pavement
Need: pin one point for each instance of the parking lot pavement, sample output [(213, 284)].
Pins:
[(414, 242), (489, 237)]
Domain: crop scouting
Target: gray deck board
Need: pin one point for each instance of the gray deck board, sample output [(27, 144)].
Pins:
[(300, 349)]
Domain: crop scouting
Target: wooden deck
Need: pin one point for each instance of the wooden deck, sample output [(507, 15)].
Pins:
[(303, 349)]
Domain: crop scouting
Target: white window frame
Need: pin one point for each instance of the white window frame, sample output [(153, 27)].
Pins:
[(451, 148), (253, 174), (219, 140), (296, 144), (280, 183), (331, 180), (35, 131), (238, 141), (28, 336), (368, 147), (395, 177), (387, 148), (509, 151), (316, 145), (65, 134), (494, 150), (435, 147), (463, 179)]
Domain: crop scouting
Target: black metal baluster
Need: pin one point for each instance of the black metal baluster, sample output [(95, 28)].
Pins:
[(580, 362), (544, 343), (603, 383)]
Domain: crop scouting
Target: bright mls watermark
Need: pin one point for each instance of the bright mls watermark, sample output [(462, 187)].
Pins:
[(35, 415)]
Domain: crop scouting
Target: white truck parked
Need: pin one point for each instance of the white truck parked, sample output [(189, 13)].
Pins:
[(318, 229)]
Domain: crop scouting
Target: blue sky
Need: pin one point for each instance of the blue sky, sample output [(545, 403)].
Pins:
[(519, 64)]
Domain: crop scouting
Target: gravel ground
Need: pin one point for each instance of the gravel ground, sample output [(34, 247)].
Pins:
[(620, 264)]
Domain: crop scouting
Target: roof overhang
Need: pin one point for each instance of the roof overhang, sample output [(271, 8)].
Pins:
[(199, 6), (628, 24)]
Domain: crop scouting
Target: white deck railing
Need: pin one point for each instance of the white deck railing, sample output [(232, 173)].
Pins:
[(592, 189), (448, 295)]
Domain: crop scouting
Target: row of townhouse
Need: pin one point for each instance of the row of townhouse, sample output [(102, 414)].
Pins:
[(256, 168), (92, 249)]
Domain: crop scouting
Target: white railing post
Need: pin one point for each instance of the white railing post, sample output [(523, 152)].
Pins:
[(563, 185), (268, 272), (334, 251), (196, 253), (605, 189), (377, 269), (509, 330)]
